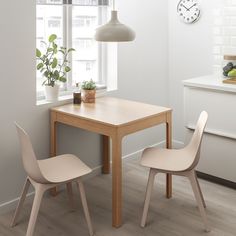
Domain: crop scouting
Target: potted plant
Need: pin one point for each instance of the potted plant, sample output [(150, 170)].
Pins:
[(53, 70), (88, 91)]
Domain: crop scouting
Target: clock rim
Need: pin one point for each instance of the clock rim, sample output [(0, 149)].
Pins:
[(198, 16)]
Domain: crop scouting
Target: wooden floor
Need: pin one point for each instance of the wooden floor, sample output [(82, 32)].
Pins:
[(175, 217)]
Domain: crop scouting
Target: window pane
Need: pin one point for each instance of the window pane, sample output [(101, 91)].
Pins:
[(91, 2), (49, 21), (74, 26), (85, 58), (85, 2), (49, 1)]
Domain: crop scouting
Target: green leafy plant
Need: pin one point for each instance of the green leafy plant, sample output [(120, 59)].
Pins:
[(48, 63), (89, 85)]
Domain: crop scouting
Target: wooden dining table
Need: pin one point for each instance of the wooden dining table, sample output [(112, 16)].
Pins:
[(113, 118)]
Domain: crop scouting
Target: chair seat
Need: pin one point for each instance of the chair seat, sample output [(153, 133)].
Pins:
[(63, 168), (175, 160)]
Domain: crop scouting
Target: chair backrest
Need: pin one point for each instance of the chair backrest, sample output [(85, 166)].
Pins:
[(194, 145), (30, 162)]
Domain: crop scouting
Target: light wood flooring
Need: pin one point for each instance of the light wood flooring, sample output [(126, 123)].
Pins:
[(178, 216)]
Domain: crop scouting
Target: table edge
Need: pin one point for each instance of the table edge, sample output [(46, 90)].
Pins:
[(108, 124)]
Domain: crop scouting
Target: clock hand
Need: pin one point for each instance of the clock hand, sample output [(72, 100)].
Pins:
[(185, 7), (192, 6)]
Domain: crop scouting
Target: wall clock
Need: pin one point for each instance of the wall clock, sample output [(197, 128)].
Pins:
[(189, 11)]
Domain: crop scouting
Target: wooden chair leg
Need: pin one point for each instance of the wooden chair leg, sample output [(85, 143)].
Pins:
[(193, 181), (21, 202), (71, 196), (85, 207), (39, 191), (151, 178), (199, 188)]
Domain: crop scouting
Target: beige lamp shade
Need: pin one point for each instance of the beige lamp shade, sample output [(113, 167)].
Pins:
[(114, 31)]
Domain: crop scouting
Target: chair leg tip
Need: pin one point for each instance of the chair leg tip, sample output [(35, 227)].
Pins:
[(142, 225), (12, 224), (92, 234), (207, 230)]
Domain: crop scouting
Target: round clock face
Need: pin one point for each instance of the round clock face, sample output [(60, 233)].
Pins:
[(189, 11)]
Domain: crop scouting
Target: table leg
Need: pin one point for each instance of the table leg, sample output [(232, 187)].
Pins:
[(53, 151), (106, 154), (53, 135), (169, 145), (116, 182)]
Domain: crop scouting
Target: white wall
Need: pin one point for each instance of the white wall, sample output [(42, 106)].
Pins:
[(190, 55), (143, 76)]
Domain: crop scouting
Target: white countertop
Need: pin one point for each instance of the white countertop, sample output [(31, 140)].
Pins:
[(213, 82)]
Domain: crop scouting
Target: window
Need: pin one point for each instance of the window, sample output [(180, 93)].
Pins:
[(74, 22)]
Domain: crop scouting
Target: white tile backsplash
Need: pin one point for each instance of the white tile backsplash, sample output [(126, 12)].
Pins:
[(224, 31), (233, 2)]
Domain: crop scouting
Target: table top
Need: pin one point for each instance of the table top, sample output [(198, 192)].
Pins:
[(112, 111)]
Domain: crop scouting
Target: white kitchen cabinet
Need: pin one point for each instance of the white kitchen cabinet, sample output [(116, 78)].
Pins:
[(219, 145)]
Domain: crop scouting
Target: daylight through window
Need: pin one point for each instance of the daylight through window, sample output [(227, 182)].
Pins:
[(74, 22)]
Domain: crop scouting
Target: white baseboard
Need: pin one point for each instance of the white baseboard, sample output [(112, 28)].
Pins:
[(11, 205), (178, 144)]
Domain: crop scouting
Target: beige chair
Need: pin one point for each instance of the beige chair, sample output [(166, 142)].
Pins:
[(177, 162), (47, 174)]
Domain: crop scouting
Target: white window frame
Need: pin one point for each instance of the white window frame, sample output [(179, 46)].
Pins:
[(68, 87)]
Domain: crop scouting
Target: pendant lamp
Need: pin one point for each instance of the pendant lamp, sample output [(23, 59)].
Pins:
[(114, 30)]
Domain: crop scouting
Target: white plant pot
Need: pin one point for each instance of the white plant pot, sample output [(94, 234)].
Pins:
[(52, 93)]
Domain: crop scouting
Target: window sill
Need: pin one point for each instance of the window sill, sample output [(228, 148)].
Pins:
[(60, 99), (68, 98)]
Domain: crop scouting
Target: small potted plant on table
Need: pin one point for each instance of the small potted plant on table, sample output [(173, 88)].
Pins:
[(53, 70), (88, 91)]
